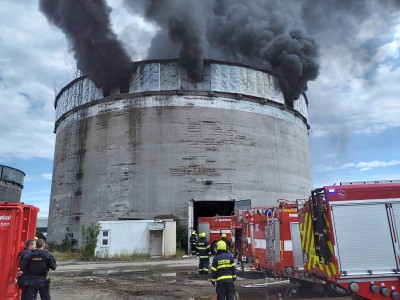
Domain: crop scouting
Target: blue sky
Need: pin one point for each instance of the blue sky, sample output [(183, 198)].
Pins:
[(354, 105)]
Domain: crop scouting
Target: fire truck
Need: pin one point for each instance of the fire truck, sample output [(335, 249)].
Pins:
[(17, 225), (350, 237), (214, 227)]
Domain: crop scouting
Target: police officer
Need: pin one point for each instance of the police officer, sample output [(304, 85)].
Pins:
[(38, 264), (203, 252), (23, 279), (193, 242), (223, 273)]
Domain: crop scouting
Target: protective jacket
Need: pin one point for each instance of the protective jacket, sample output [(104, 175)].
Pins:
[(23, 280), (223, 268), (193, 239), (38, 263), (203, 248)]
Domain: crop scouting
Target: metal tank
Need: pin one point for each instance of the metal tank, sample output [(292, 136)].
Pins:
[(11, 184), (166, 145)]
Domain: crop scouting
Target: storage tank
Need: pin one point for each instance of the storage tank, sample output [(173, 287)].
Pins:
[(165, 145), (11, 184)]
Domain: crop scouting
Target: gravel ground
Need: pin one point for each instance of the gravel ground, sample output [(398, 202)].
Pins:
[(159, 279)]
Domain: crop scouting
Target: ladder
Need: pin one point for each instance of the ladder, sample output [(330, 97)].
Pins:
[(74, 159)]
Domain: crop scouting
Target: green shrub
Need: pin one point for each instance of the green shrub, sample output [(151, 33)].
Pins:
[(89, 241)]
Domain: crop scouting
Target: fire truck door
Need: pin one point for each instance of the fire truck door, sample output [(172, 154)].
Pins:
[(297, 252), (363, 238), (204, 227)]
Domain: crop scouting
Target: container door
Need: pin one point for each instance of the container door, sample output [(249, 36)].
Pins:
[(297, 252), (363, 239), (156, 237)]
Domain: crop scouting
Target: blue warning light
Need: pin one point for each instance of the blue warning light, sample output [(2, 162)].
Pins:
[(331, 190)]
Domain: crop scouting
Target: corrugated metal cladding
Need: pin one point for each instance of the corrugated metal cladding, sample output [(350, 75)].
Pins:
[(11, 184), (169, 140)]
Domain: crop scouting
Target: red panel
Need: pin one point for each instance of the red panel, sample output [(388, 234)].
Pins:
[(17, 225)]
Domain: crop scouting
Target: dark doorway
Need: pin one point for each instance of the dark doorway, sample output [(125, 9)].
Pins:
[(211, 209)]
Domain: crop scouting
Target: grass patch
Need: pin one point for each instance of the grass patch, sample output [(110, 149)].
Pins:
[(179, 255), (67, 255), (128, 257)]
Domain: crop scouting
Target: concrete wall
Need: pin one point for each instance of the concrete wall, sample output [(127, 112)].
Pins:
[(139, 155)]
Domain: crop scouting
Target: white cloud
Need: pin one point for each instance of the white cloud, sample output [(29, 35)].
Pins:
[(361, 166), (34, 65), (47, 176)]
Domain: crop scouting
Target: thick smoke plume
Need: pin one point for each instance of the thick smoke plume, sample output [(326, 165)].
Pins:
[(87, 26), (260, 33)]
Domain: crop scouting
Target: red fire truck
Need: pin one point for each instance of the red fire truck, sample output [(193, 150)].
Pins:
[(17, 225), (214, 227), (350, 237)]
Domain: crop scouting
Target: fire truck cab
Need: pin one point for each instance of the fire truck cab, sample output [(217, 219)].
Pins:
[(350, 237)]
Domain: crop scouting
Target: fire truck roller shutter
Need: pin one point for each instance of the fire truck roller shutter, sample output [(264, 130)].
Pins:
[(396, 217), (297, 251), (363, 237)]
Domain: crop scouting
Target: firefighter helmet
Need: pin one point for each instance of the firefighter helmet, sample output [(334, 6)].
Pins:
[(223, 235), (221, 246), (194, 231), (202, 234)]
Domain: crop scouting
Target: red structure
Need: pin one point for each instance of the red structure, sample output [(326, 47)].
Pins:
[(17, 225), (214, 227), (350, 238)]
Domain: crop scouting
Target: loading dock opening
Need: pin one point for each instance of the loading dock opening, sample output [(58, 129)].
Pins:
[(207, 208)]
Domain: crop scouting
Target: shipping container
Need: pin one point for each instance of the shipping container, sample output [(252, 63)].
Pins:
[(17, 225), (152, 237)]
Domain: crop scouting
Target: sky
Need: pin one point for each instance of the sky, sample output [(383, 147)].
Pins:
[(354, 104)]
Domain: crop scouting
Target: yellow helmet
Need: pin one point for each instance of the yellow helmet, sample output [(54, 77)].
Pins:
[(194, 231), (223, 235), (203, 234), (221, 246)]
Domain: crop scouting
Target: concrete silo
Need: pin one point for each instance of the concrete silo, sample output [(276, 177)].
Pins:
[(166, 145), (11, 184)]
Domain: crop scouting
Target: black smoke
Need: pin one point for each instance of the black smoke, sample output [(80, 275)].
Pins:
[(261, 33), (86, 23)]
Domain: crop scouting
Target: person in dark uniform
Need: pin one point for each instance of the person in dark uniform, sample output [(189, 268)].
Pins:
[(23, 277), (203, 252), (193, 242), (223, 273), (227, 242), (37, 264)]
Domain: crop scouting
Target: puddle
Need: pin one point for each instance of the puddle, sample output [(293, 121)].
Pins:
[(114, 271)]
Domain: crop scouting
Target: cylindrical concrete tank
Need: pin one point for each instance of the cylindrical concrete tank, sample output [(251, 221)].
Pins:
[(169, 142), (11, 184)]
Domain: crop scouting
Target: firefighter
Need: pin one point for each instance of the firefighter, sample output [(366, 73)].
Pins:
[(193, 242), (227, 242), (37, 264), (203, 252), (23, 277), (223, 273)]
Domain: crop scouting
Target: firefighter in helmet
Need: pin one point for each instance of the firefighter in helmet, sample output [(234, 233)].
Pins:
[(226, 241), (223, 273), (203, 252), (193, 242)]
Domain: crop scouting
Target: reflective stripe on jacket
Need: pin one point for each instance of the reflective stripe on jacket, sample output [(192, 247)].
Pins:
[(203, 248), (223, 268)]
